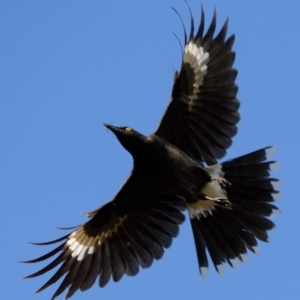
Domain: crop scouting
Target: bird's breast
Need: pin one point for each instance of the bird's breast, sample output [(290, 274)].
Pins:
[(169, 169)]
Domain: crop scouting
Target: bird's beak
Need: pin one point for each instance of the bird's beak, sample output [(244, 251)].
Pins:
[(112, 128)]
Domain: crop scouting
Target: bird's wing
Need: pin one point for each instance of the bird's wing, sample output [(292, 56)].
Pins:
[(203, 111), (128, 232)]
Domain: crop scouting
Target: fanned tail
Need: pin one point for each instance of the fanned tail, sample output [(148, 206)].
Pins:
[(227, 232)]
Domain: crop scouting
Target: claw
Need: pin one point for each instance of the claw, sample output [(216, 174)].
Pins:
[(219, 200), (224, 184)]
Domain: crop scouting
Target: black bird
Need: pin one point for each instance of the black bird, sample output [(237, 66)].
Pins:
[(176, 169)]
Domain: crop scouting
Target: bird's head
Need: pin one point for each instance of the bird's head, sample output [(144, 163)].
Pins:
[(131, 140)]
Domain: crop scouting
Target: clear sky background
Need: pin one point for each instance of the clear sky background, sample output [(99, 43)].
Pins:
[(69, 66)]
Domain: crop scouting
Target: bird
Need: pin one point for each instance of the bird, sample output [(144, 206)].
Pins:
[(176, 172)]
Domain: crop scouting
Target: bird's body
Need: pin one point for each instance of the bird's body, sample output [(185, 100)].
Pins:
[(175, 169), (168, 168)]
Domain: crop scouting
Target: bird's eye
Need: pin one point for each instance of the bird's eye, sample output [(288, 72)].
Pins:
[(127, 129)]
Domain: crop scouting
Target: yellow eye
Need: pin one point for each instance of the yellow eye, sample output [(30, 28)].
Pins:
[(127, 129)]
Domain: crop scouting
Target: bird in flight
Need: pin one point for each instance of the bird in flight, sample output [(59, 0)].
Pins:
[(176, 169)]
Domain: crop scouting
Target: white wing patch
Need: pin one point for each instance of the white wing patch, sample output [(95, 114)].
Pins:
[(197, 58), (81, 244)]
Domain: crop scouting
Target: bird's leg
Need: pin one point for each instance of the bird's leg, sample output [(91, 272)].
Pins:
[(219, 200), (214, 193), (224, 184)]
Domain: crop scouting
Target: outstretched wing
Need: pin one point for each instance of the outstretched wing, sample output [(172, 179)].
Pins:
[(128, 232), (203, 111)]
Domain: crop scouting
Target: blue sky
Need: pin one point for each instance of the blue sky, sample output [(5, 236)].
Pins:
[(69, 66)]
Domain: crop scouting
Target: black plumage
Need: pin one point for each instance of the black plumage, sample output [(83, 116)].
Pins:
[(176, 169)]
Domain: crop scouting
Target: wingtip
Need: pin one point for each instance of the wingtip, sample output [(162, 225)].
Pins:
[(214, 18), (67, 228), (35, 243), (23, 262), (192, 21), (28, 276), (28, 261), (184, 29), (38, 291)]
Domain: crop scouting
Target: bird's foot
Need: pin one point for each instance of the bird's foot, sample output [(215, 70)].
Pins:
[(224, 184), (220, 201)]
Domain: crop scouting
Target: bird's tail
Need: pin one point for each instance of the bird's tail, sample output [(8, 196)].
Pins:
[(227, 226)]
